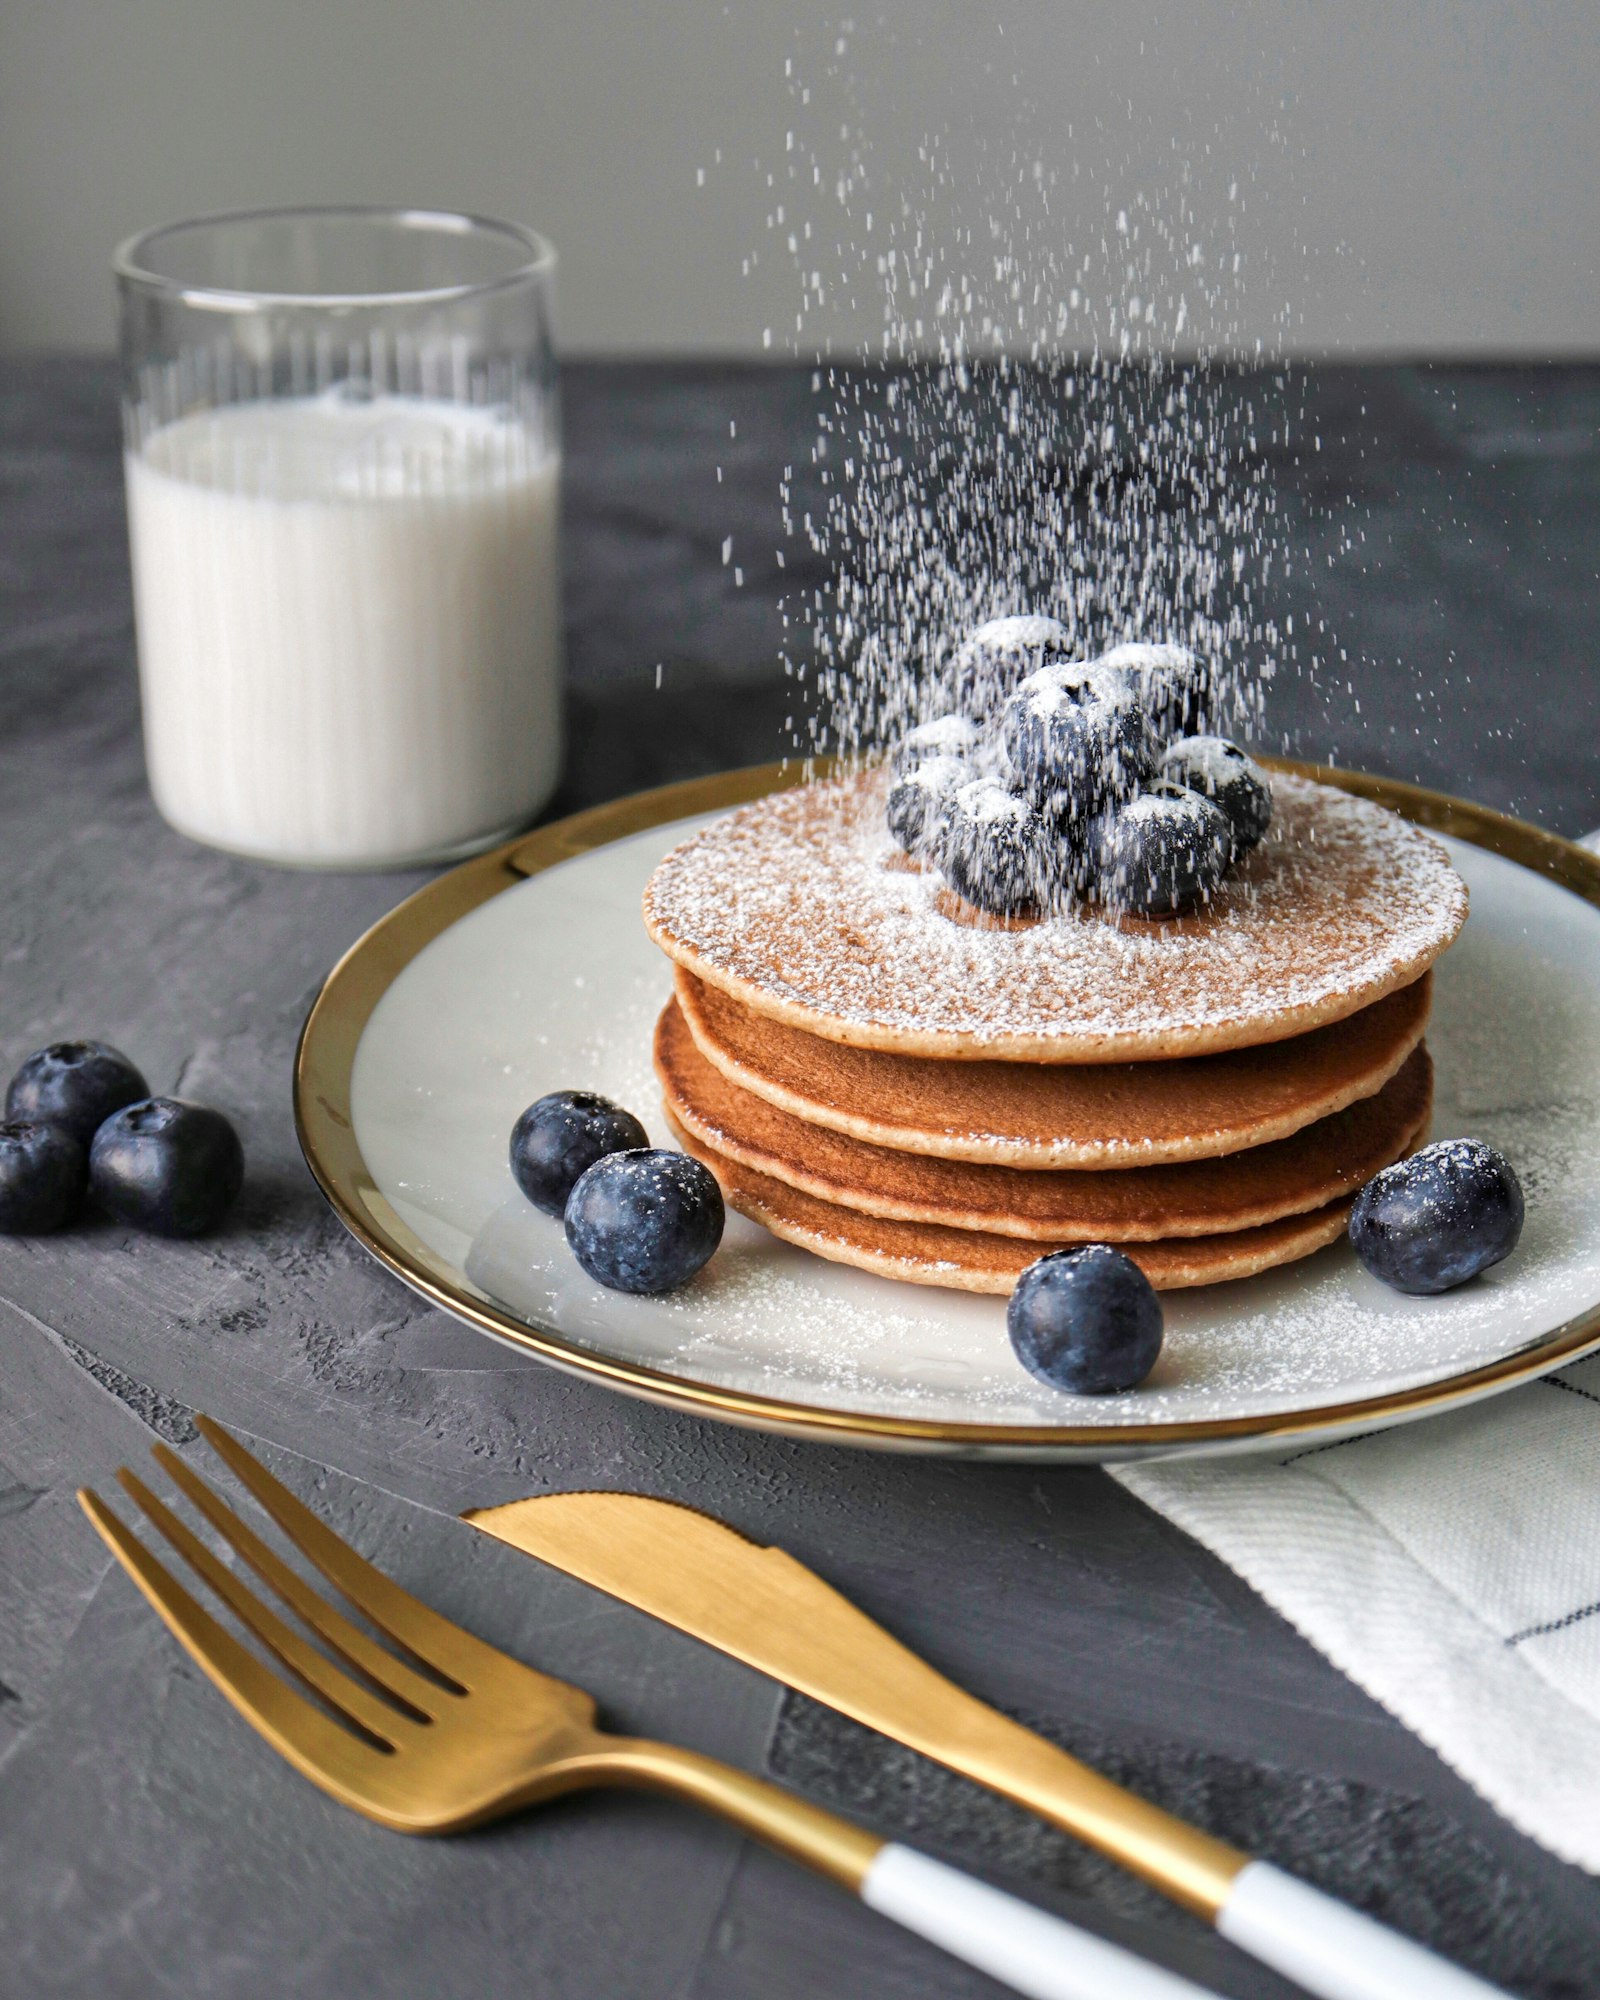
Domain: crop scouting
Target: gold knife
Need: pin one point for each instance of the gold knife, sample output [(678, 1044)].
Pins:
[(776, 1615)]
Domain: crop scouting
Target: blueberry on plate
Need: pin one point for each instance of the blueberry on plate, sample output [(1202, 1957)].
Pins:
[(994, 657), (1223, 773), (76, 1085), (1430, 1222), (1076, 739), (916, 803), (1159, 854), (645, 1221), (988, 847), (559, 1138), (166, 1165), (1173, 685), (43, 1174), (944, 736), (1085, 1320)]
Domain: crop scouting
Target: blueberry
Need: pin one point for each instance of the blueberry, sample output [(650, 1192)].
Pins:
[(1077, 740), (645, 1221), (1160, 854), (558, 1139), (944, 736), (1063, 871), (1438, 1218), (988, 847), (76, 1085), (916, 803), (166, 1165), (1223, 773), (994, 657), (1085, 1320), (1081, 676), (43, 1173), (1173, 686)]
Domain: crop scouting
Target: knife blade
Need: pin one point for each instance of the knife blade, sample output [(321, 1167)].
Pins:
[(774, 1614)]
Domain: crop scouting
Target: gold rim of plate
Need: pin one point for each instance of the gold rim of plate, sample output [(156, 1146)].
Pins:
[(326, 1055)]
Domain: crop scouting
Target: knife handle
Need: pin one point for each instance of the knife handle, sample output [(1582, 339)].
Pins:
[(1333, 1950), (1024, 1947), (1329, 1948)]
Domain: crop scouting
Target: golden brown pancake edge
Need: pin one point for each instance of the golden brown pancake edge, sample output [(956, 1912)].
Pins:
[(1319, 1164), (971, 1261), (1032, 1115)]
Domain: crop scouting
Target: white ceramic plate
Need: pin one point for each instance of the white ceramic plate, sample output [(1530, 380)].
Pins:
[(550, 982)]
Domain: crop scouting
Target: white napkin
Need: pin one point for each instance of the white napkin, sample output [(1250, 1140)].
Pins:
[(1451, 1567)]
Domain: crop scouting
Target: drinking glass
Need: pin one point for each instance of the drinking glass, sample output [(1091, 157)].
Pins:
[(343, 471)]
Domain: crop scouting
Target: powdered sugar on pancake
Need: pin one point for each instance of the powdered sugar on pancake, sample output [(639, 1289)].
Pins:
[(792, 905)]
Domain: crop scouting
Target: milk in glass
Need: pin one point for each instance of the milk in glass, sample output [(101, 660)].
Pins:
[(349, 625)]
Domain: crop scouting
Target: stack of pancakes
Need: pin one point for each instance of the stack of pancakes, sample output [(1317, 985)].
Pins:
[(903, 1087)]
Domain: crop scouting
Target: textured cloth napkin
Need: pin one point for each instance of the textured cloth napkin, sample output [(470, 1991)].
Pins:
[(1451, 1568)]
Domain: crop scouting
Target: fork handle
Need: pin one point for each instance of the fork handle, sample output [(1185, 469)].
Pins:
[(1013, 1941)]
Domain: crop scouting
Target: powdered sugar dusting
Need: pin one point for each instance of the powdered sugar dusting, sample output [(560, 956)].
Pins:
[(790, 899), (1137, 656), (1157, 805), (938, 775), (1209, 761), (945, 736), (990, 804)]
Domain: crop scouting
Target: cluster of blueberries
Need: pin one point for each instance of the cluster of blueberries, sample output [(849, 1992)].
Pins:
[(1056, 780), (80, 1121), (638, 1218), (1089, 1320)]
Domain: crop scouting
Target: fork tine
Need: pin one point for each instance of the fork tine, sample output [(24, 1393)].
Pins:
[(317, 1672), (381, 1667), (319, 1748), (434, 1640)]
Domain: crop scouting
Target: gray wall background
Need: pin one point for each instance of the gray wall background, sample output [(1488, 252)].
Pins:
[(1422, 174)]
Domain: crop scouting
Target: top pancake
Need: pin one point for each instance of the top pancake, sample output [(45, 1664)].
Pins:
[(795, 907)]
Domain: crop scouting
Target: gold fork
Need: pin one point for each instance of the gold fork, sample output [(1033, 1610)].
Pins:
[(467, 1733)]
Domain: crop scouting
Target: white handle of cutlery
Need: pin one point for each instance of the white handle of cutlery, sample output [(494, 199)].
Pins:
[(1333, 1950), (1024, 1947)]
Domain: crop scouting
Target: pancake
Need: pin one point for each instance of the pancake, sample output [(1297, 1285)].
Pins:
[(1059, 1114), (790, 906), (1319, 1164), (970, 1260)]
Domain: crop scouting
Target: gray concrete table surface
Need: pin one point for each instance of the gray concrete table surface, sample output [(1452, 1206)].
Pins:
[(149, 1844)]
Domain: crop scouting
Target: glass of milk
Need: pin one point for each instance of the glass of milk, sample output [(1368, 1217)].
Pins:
[(343, 470)]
